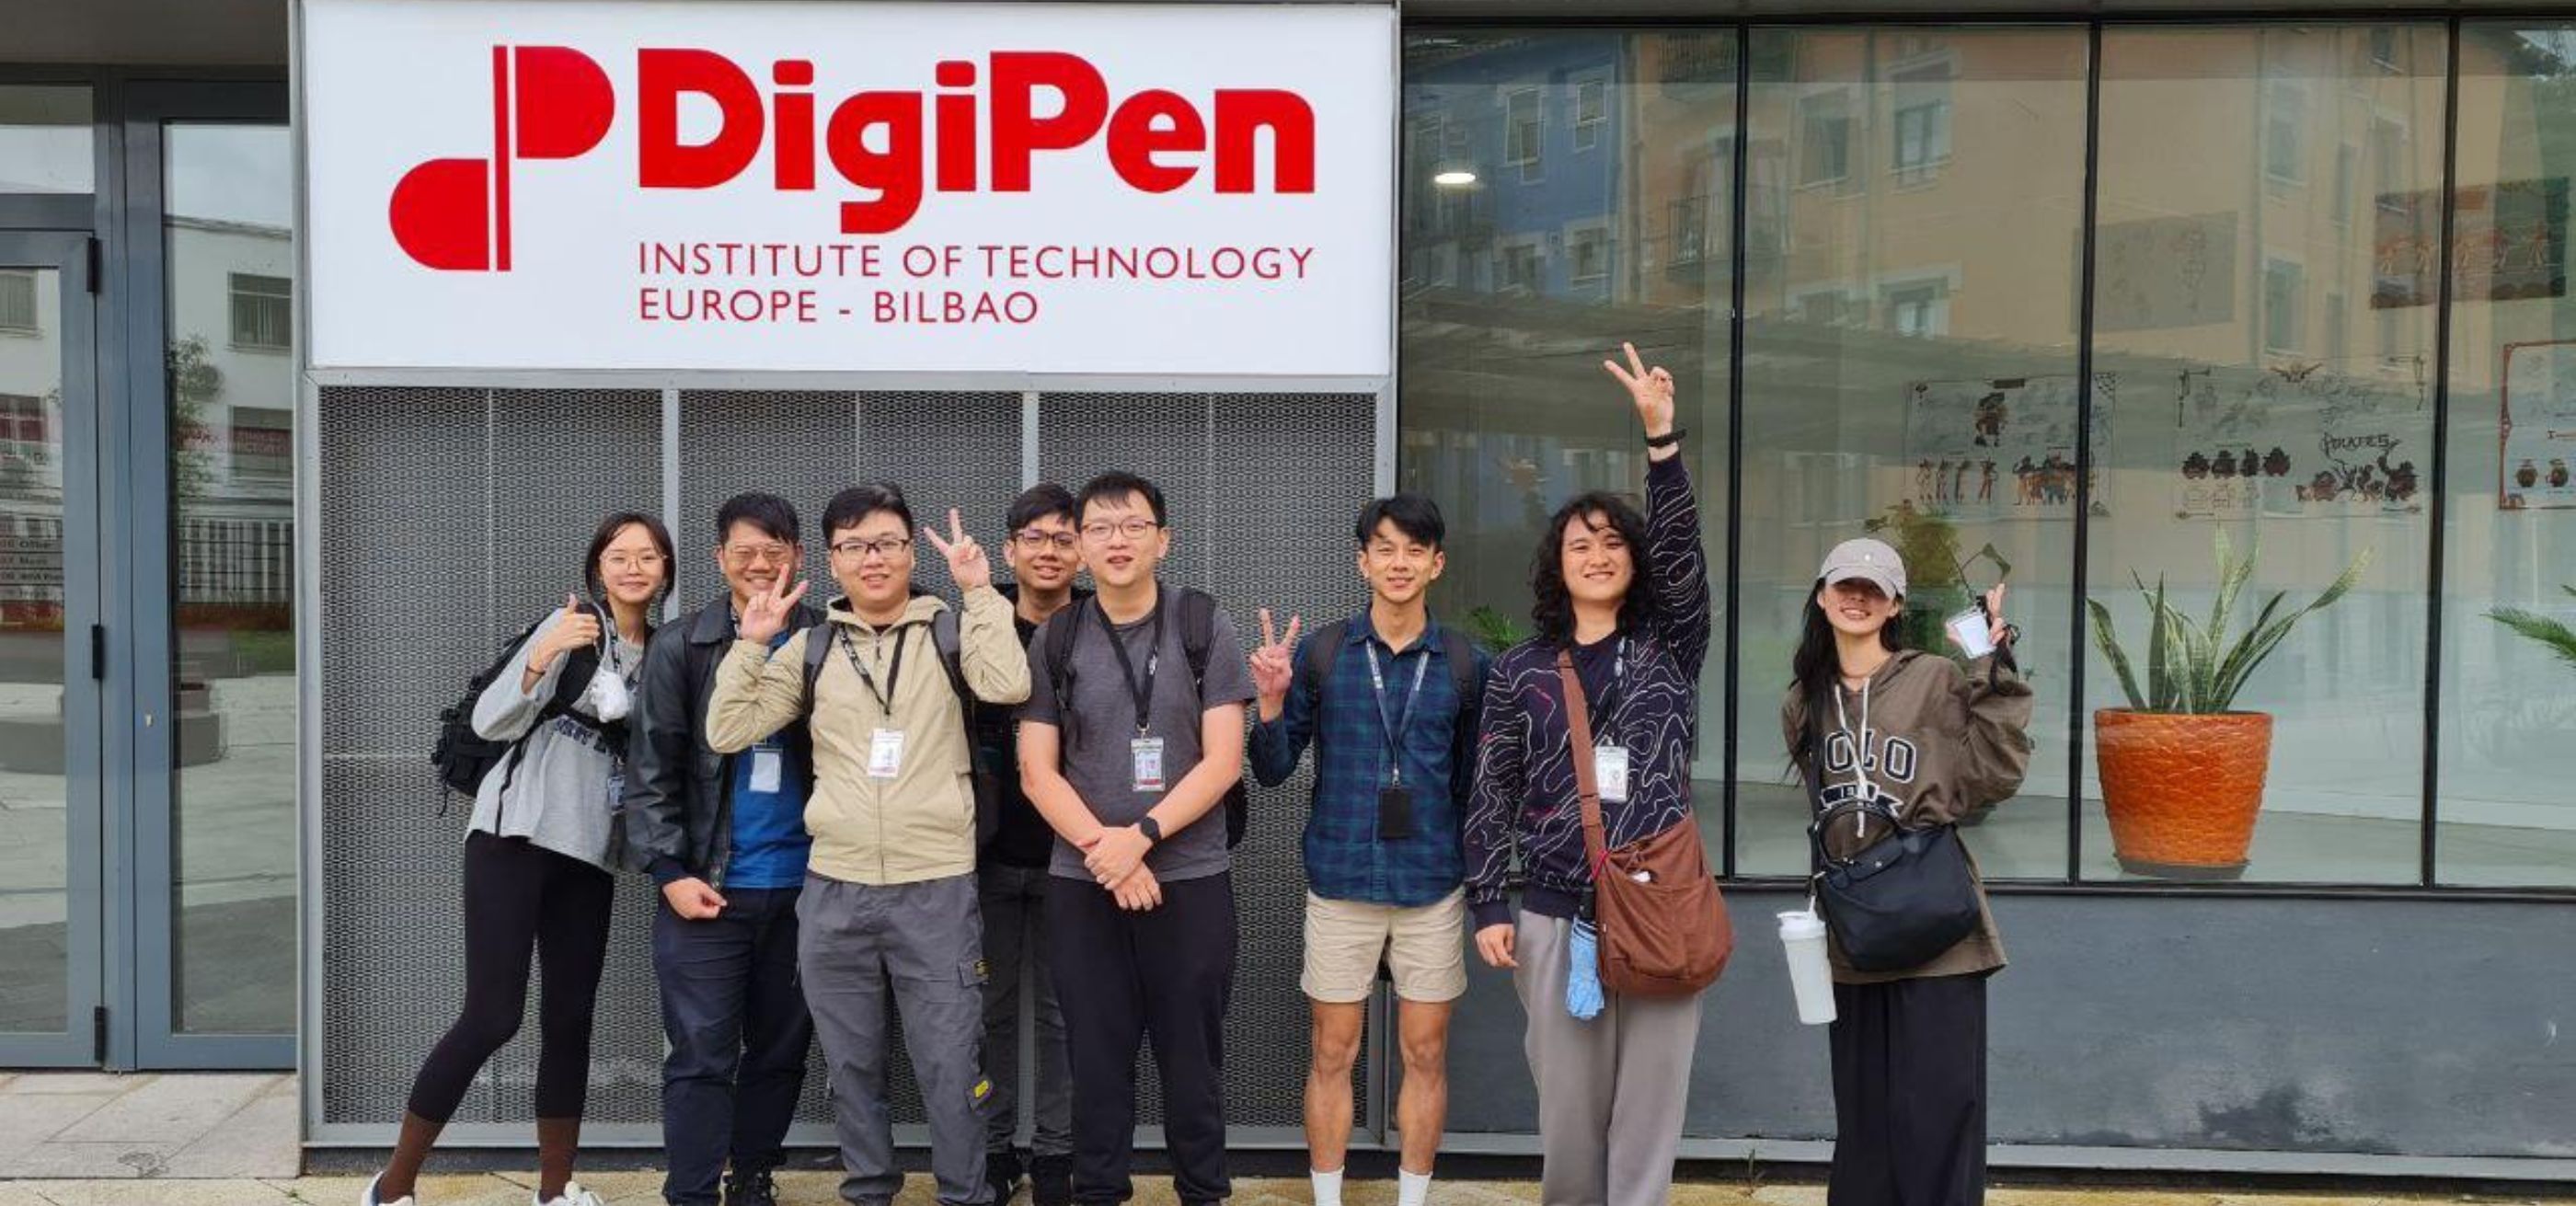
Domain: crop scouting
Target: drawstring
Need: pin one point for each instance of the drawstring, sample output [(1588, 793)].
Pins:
[(1860, 752)]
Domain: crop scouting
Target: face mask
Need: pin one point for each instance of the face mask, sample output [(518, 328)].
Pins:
[(608, 696)]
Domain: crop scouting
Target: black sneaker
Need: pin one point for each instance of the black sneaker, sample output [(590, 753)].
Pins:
[(1051, 1181), (750, 1189), (1002, 1172)]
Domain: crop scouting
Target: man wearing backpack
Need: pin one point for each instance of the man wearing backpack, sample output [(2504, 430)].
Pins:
[(1131, 744), (1389, 698), (887, 684), (723, 836)]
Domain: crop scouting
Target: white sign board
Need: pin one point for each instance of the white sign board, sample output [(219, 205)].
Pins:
[(898, 187)]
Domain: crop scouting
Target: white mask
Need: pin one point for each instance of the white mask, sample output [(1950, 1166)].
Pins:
[(608, 697)]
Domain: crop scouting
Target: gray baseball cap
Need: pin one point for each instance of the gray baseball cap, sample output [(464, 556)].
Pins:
[(1865, 560)]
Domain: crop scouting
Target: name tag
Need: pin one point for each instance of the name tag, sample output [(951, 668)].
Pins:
[(1610, 770), (1148, 753), (766, 767), (885, 754)]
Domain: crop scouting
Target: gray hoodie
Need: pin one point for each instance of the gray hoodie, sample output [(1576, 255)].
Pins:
[(562, 796)]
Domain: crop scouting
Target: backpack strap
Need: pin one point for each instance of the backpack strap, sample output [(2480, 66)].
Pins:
[(1198, 631), (1061, 631), (818, 647), (1321, 646), (943, 637)]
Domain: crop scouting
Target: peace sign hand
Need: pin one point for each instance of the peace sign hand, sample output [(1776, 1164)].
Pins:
[(1272, 669), (1650, 388), (765, 614), (967, 564)]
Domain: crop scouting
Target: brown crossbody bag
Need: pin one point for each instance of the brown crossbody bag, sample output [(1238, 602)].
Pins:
[(1664, 930)]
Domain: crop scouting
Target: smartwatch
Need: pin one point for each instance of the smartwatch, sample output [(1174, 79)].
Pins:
[(1151, 828)]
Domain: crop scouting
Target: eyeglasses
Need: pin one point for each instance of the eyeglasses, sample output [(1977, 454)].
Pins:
[(759, 554), (1133, 529), (1037, 541), (628, 562), (861, 550)]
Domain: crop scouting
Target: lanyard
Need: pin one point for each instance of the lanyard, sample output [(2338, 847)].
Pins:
[(1396, 728), (894, 669), (1141, 691)]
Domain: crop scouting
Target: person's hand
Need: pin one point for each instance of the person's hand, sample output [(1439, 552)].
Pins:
[(692, 899), (1139, 892), (578, 629), (766, 612), (1650, 388), (1272, 668), (1114, 854), (1494, 942), (967, 564)]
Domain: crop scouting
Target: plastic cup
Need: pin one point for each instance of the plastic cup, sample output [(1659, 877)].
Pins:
[(1811, 974)]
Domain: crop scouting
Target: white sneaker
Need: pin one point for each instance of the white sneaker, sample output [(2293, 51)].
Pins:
[(573, 1195), (367, 1197)]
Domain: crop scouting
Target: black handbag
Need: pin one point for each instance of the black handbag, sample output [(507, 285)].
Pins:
[(1899, 901)]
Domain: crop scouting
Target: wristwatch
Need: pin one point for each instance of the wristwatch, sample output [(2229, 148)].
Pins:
[(1152, 829)]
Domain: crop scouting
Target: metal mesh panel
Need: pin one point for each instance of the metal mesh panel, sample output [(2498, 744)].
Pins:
[(1260, 489)]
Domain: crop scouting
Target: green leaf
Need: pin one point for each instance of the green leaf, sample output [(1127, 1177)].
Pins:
[(2231, 579), (2232, 671), (2556, 636), (2160, 693), (2109, 643)]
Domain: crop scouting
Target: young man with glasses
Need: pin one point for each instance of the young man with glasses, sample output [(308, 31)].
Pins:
[(1130, 743), (723, 835), (1044, 553), (889, 901), (1390, 699)]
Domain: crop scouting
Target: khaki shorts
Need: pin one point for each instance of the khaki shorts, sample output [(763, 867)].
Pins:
[(1425, 948)]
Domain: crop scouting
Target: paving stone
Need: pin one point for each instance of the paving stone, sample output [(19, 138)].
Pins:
[(76, 1082), (27, 1121), (169, 1109), (14, 1194), (460, 1189), (58, 1160), (163, 1193), (258, 1140)]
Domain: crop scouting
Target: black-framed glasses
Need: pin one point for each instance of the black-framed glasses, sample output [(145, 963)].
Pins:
[(861, 550), (1034, 540), (1132, 529)]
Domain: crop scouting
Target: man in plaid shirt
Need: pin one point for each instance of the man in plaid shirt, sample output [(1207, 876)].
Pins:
[(1390, 699)]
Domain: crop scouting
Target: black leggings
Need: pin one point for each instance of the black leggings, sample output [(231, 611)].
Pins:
[(517, 897)]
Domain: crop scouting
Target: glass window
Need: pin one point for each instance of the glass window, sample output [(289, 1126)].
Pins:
[(18, 301), (1524, 131), (1505, 410), (2233, 431), (45, 139), (263, 312), (1910, 369), (2508, 670), (1591, 112)]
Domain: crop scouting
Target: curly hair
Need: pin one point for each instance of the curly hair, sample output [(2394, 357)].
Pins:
[(1552, 606)]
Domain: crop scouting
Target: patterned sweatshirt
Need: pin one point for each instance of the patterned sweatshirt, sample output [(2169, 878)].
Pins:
[(1524, 793)]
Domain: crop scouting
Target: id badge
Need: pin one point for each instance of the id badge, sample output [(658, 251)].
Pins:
[(1394, 813), (1610, 770), (1148, 753), (885, 754), (766, 768)]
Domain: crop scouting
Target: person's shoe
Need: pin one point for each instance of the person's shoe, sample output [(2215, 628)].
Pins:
[(1051, 1181), (573, 1195), (750, 1189), (1002, 1172), (367, 1196)]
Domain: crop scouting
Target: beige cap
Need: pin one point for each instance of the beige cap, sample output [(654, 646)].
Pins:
[(1868, 561)]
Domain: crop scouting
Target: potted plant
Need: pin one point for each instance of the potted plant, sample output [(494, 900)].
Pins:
[(2182, 771), (2555, 634)]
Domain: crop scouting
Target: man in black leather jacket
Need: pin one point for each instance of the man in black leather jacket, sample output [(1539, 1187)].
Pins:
[(724, 838)]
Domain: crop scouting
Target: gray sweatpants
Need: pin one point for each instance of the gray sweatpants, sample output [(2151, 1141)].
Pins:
[(1610, 1090), (925, 942)]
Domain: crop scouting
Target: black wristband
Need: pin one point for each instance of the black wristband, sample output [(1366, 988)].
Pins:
[(1668, 439), (1151, 828)]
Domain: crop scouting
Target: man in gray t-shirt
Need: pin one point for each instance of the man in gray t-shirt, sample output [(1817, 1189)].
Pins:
[(1140, 906)]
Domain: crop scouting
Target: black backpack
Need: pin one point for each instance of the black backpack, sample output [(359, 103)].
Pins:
[(1198, 632), (819, 639), (1461, 656), (464, 757)]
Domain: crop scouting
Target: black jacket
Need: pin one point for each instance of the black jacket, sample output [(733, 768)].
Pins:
[(1023, 839), (678, 798)]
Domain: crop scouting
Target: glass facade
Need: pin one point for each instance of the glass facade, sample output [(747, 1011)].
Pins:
[(2262, 332)]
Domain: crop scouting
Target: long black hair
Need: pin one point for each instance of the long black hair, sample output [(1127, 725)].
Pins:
[(1817, 668), (1552, 606)]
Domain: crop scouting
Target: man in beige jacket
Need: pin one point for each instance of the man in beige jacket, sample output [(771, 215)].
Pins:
[(889, 898)]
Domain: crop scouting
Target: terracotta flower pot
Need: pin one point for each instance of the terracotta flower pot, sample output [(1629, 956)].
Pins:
[(2182, 791)]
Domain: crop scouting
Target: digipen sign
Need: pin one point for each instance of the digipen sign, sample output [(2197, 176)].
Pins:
[(948, 188)]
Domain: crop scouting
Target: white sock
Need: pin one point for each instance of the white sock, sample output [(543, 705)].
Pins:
[(1328, 1186), (1411, 1188)]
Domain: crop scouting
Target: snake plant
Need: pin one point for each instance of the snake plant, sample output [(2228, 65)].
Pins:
[(2195, 667)]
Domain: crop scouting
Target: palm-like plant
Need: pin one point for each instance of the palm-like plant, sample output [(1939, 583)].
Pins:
[(2195, 668), (2555, 634)]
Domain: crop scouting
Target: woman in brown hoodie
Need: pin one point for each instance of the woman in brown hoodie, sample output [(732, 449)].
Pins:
[(1872, 719)]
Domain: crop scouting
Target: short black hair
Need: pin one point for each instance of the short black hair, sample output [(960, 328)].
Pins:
[(1118, 484), (607, 533), (1039, 501), (1412, 514), (851, 507), (774, 516)]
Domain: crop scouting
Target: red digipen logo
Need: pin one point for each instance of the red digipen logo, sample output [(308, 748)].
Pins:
[(896, 145), (548, 102)]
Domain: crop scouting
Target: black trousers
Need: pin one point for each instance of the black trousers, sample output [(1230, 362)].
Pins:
[(522, 900), (735, 1017), (1910, 1093), (1168, 974)]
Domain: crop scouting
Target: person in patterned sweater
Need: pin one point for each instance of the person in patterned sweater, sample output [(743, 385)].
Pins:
[(1628, 596)]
